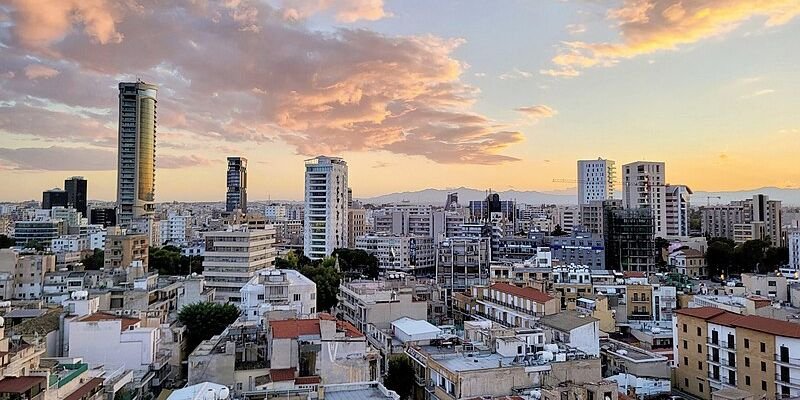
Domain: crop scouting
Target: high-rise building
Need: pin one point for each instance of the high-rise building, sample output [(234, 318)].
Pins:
[(54, 198), (236, 198), (325, 206), (481, 210), (593, 214), (231, 259), (76, 194), (793, 243), (756, 218), (643, 186), (136, 168), (356, 225), (596, 179), (630, 240), (677, 210)]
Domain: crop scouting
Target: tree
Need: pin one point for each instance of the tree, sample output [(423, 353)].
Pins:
[(34, 244), (719, 257), (166, 260), (94, 261), (357, 263), (776, 257), (327, 279), (400, 376), (749, 256), (558, 231), (204, 320), (6, 242)]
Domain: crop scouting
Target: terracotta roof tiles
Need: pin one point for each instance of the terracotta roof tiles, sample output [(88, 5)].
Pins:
[(524, 292)]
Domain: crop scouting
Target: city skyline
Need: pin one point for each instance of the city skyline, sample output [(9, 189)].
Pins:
[(380, 84)]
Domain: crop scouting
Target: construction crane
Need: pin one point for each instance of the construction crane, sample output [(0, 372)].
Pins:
[(708, 199)]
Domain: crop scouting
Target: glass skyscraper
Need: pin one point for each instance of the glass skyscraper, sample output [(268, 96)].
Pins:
[(137, 152)]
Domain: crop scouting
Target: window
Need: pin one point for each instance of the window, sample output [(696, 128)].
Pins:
[(685, 345), (699, 331), (686, 382), (763, 367), (297, 297), (685, 360), (747, 361), (763, 347), (747, 380), (699, 348), (700, 386), (763, 385), (700, 365), (747, 343), (684, 331)]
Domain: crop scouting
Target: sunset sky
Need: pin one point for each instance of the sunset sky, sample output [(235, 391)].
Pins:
[(412, 93)]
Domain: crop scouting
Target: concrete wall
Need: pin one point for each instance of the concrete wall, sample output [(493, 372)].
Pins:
[(102, 342)]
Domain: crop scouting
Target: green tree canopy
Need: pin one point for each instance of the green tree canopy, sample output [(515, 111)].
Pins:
[(204, 320), (168, 260), (6, 242), (719, 257), (322, 272), (749, 256), (558, 231), (357, 263), (94, 261), (400, 375)]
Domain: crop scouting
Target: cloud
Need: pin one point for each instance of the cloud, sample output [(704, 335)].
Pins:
[(537, 111), (758, 93), (347, 11), (321, 92), (789, 131), (516, 73), (576, 29), (60, 158), (36, 71), (651, 26), (380, 164)]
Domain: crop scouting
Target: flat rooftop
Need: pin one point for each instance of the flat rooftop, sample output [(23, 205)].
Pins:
[(462, 362), (356, 391)]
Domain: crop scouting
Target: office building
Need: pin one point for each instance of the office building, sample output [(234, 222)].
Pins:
[(677, 210), (481, 210), (754, 218), (596, 180), (325, 206), (76, 194), (419, 220), (717, 349), (54, 198), (593, 214), (232, 258), (411, 254), (356, 225), (103, 216), (236, 197), (137, 152), (579, 248), (630, 240), (42, 232), (643, 186)]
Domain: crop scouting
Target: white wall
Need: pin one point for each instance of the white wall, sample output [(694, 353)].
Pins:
[(102, 342), (586, 338)]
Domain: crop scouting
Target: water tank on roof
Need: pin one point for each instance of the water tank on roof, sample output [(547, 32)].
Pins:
[(545, 355), (80, 295), (656, 330), (553, 348)]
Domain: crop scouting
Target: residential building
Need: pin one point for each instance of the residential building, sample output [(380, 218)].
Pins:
[(29, 271), (596, 180), (635, 370), (175, 230), (325, 206), (579, 248), (123, 250), (677, 210), (356, 225), (644, 186), (754, 218), (462, 262), (793, 243), (716, 349), (70, 243), (511, 305), (102, 338), (689, 262), (419, 220), (278, 290), (630, 239), (410, 254), (55, 197), (379, 303), (575, 330), (232, 259), (137, 152), (77, 195), (593, 214), (771, 285), (236, 197)]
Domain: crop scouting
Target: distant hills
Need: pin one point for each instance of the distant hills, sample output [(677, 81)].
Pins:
[(789, 196)]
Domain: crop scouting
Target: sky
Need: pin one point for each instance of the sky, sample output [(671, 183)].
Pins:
[(413, 94)]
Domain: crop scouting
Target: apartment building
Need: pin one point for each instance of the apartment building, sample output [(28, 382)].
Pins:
[(596, 180), (754, 218), (122, 250), (678, 198), (279, 290), (580, 248), (644, 186), (511, 305), (232, 258), (630, 239), (716, 349), (379, 303), (356, 225), (326, 206), (462, 262), (410, 254), (689, 262), (793, 243), (593, 214), (419, 220)]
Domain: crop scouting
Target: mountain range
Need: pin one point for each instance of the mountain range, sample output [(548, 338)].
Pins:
[(789, 196)]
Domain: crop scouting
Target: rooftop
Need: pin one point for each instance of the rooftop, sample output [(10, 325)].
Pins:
[(358, 391), (566, 321), (415, 326), (465, 362), (524, 292), (21, 384), (125, 322), (753, 322)]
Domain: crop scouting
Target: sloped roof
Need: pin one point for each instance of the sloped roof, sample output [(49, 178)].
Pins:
[(524, 292), (700, 312), (753, 322), (282, 375), (294, 328)]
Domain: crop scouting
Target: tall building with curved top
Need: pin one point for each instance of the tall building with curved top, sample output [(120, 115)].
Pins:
[(325, 206), (136, 164)]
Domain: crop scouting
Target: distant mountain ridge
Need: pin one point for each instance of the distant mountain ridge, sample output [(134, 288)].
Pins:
[(789, 196)]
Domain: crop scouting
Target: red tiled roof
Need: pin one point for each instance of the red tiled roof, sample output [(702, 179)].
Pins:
[(349, 329), (307, 380), (20, 384), (326, 317), (753, 322), (634, 274), (282, 375), (700, 312), (85, 389), (126, 322), (524, 292), (293, 328)]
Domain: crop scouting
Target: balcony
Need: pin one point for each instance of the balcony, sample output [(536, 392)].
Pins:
[(720, 380), (724, 363), (721, 344), (788, 361), (787, 381)]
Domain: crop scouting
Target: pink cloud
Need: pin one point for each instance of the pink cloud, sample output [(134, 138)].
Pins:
[(37, 71)]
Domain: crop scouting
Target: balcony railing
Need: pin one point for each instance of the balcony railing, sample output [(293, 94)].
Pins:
[(787, 381), (721, 344), (792, 362)]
